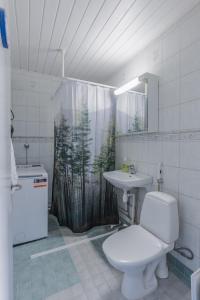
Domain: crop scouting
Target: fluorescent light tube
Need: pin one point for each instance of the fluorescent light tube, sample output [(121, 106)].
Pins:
[(128, 86)]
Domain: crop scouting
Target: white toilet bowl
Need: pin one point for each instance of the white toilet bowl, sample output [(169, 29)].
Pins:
[(139, 251)]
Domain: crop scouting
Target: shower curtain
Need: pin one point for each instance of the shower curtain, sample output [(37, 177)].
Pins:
[(84, 148)]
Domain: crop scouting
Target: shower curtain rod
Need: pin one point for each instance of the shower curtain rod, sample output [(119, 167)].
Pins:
[(98, 84), (62, 51), (90, 82)]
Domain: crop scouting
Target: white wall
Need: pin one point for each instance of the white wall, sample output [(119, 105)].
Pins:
[(175, 58), (32, 106), (6, 254)]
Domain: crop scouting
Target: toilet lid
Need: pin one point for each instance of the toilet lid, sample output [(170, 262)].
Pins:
[(133, 246)]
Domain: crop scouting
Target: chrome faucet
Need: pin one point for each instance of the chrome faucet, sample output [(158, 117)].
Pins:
[(132, 169)]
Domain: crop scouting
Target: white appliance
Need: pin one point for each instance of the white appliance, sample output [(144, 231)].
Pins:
[(6, 263), (195, 285), (30, 204)]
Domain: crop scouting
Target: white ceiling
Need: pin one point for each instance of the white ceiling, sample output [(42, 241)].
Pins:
[(99, 36)]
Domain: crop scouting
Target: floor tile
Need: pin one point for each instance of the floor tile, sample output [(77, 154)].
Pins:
[(78, 273)]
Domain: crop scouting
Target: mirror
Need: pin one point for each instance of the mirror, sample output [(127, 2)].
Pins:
[(131, 113), (137, 110)]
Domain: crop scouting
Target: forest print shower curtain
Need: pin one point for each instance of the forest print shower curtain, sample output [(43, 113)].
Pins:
[(84, 139)]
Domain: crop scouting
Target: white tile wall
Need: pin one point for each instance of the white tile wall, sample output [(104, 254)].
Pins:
[(32, 105), (175, 58)]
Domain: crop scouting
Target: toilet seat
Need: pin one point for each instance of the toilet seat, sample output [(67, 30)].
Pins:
[(133, 247)]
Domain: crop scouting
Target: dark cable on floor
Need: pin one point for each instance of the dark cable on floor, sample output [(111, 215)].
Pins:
[(185, 252)]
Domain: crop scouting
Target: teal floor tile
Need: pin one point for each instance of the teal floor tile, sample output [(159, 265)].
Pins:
[(44, 276)]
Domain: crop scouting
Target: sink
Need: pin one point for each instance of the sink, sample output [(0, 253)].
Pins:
[(127, 181)]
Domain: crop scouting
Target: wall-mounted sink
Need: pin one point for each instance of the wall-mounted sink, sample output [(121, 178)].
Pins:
[(127, 181)]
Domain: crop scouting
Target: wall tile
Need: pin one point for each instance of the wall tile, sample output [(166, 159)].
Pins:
[(46, 129), (32, 98), (190, 87), (169, 118), (33, 151), (32, 105), (189, 209), (189, 115), (46, 114), (171, 153), (171, 42), (20, 113), (189, 237), (147, 168), (46, 149), (190, 28), (170, 69), (154, 152), (169, 94), (19, 150), (171, 178), (32, 129), (189, 183), (190, 59), (32, 114), (19, 128), (190, 154), (18, 98)]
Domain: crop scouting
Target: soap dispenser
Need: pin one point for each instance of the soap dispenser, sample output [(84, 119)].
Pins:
[(125, 165)]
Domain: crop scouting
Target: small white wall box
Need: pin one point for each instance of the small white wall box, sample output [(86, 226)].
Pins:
[(195, 285)]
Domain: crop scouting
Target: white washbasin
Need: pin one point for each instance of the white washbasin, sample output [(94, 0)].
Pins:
[(127, 181)]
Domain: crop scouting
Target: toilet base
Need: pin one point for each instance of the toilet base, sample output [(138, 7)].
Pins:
[(162, 269), (140, 282), (133, 292)]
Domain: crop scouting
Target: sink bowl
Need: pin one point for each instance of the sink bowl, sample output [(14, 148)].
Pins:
[(127, 181)]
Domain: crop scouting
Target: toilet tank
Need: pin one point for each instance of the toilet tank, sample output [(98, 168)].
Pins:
[(159, 215)]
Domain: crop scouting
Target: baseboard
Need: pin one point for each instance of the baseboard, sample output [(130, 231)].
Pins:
[(179, 269)]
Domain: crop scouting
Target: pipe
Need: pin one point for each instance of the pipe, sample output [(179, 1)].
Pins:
[(99, 84), (85, 81)]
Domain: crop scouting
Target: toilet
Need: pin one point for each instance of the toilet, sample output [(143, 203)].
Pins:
[(139, 251)]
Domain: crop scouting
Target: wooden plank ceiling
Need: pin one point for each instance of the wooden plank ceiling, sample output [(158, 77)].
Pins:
[(98, 36)]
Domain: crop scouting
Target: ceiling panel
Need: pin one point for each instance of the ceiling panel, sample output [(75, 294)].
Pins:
[(22, 13), (37, 8), (165, 16), (76, 17), (98, 36), (91, 14), (139, 27), (108, 11), (117, 20), (14, 41), (49, 18), (61, 24), (141, 12)]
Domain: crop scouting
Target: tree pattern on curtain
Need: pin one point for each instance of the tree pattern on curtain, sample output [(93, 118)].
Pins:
[(81, 197)]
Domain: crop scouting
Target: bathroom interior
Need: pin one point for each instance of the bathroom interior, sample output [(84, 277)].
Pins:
[(100, 150)]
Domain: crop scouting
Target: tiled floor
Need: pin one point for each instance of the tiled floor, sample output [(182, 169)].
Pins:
[(78, 273)]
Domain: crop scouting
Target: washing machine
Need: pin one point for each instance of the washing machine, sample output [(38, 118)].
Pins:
[(30, 204)]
